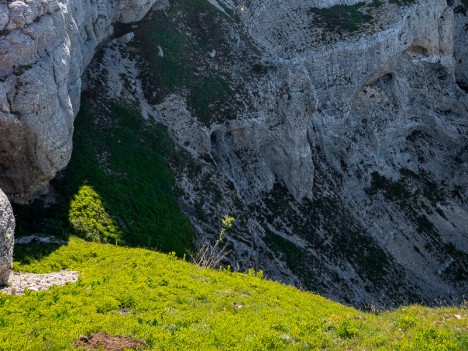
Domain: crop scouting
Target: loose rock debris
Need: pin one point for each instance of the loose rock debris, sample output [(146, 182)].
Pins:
[(19, 282)]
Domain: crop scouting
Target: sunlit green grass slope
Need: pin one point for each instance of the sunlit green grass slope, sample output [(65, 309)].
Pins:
[(174, 305)]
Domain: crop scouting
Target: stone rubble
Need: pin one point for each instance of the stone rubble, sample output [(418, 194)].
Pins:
[(35, 238), (19, 282)]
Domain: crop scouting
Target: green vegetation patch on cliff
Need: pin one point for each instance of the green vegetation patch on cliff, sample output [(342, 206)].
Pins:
[(117, 186), (342, 17), (176, 45)]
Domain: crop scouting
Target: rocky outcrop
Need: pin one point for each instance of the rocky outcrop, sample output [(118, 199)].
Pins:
[(344, 159), (45, 46), (7, 230), (316, 80)]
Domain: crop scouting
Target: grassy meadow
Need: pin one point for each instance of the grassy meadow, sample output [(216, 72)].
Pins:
[(171, 304)]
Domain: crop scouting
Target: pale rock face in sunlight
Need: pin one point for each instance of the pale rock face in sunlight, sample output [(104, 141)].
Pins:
[(44, 49)]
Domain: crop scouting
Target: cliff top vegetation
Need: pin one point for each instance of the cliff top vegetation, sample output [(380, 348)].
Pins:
[(171, 304)]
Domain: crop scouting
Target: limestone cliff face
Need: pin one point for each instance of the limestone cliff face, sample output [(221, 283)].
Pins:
[(317, 84), (350, 159), (45, 46), (344, 160)]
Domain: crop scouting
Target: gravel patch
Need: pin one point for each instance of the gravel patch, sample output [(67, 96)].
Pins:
[(18, 282)]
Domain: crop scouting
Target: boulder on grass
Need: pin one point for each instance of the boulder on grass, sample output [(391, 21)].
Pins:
[(7, 231)]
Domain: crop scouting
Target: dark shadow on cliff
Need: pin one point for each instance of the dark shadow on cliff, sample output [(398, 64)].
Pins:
[(123, 158)]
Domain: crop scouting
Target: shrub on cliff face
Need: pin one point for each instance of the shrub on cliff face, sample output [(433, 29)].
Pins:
[(89, 219)]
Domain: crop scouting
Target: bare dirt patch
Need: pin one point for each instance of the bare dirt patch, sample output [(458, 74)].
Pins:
[(106, 342)]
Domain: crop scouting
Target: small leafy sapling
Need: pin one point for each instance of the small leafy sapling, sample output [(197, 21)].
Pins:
[(211, 256)]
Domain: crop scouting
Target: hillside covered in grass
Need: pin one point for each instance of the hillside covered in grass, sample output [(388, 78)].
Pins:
[(171, 304)]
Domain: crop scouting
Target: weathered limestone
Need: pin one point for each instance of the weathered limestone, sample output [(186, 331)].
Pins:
[(44, 47), (7, 230), (367, 128), (359, 139), (328, 76)]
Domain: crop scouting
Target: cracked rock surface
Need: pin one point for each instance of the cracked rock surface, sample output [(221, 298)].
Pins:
[(45, 46)]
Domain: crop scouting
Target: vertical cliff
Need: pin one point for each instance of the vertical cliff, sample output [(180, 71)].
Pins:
[(44, 49)]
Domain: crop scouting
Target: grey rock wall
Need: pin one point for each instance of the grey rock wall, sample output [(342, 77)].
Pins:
[(45, 46), (461, 44), (7, 231), (310, 99), (366, 130)]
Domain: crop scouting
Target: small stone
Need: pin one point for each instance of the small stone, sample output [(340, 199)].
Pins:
[(160, 51), (126, 38)]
